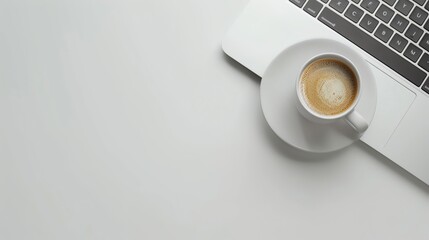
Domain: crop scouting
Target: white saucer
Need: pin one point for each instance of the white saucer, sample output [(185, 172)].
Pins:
[(278, 98)]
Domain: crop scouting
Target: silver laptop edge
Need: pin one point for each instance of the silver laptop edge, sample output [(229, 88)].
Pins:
[(400, 128)]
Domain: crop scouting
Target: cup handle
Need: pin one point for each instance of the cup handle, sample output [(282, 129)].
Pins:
[(357, 122)]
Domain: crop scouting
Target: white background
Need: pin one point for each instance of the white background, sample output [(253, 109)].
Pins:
[(124, 120)]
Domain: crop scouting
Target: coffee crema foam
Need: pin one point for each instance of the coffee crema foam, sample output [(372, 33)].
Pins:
[(329, 86)]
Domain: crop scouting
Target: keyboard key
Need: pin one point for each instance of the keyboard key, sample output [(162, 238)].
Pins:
[(384, 33), (370, 5), (390, 2), (426, 87), (372, 46), (424, 43), (368, 23), (399, 23), (339, 5), (413, 52), (356, 1), (424, 62), (420, 2), (414, 33), (418, 15), (354, 13), (325, 1), (384, 13), (299, 3), (404, 6), (398, 43), (313, 7)]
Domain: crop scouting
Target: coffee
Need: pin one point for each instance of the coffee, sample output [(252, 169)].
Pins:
[(329, 86)]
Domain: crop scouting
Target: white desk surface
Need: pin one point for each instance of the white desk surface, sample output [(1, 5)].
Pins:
[(124, 120)]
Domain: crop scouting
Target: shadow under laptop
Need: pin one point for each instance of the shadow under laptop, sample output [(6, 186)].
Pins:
[(243, 70), (394, 167)]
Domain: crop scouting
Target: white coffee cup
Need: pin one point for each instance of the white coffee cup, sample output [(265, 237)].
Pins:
[(350, 115)]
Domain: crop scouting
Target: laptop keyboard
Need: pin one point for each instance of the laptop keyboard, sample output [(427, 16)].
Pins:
[(393, 31)]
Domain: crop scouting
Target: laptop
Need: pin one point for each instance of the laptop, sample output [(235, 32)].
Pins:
[(391, 35)]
